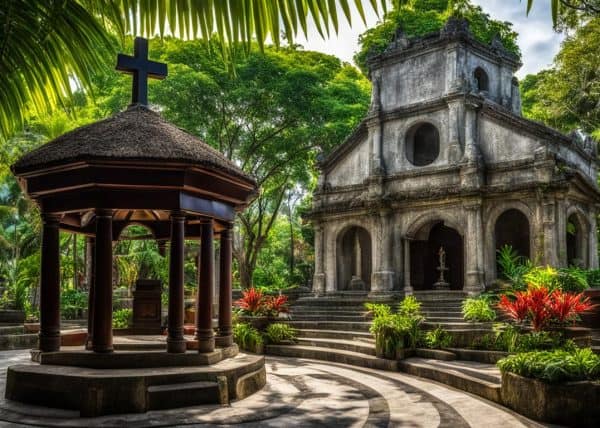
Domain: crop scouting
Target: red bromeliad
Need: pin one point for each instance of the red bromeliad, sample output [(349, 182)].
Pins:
[(541, 307), (251, 301)]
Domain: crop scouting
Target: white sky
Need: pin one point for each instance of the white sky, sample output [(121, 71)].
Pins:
[(538, 42)]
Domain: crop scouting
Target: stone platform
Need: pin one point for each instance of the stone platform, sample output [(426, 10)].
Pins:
[(134, 381)]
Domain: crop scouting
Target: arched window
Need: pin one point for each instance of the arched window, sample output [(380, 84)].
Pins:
[(481, 80), (422, 144)]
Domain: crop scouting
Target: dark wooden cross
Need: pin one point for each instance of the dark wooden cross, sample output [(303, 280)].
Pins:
[(141, 68)]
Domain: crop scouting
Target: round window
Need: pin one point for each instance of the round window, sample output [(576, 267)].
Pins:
[(422, 144)]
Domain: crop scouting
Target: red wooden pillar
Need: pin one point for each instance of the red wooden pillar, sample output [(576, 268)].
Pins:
[(175, 340), (102, 321), (225, 337), (91, 280), (204, 331), (50, 285)]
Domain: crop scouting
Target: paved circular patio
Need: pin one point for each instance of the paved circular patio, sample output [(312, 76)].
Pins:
[(304, 393)]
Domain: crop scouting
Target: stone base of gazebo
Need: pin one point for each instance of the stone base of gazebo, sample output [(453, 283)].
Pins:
[(135, 381)]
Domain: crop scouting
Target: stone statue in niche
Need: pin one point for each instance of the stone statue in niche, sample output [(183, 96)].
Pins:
[(441, 283), (357, 283)]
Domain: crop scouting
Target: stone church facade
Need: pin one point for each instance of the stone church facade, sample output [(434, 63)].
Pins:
[(444, 160)]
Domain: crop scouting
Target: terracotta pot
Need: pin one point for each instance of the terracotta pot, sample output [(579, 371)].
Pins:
[(31, 327), (260, 323)]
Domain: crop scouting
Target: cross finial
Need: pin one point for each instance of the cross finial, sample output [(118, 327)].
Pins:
[(141, 68)]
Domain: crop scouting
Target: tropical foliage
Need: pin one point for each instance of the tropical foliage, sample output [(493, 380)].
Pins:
[(478, 310), (280, 333), (247, 337), (255, 303), (437, 339), (419, 17), (122, 318), (554, 366)]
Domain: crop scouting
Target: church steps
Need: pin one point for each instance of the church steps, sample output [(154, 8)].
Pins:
[(458, 375), (333, 316), (331, 325), (334, 334), (346, 345), (333, 355)]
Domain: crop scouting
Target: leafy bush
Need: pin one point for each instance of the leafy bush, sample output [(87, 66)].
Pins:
[(508, 338), (247, 337), (572, 279), (280, 332), (255, 303), (541, 307), (398, 330), (554, 366), (72, 302), (478, 310), (513, 267), (122, 318), (593, 277), (437, 339)]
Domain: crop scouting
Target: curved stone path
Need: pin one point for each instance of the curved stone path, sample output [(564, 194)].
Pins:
[(299, 393)]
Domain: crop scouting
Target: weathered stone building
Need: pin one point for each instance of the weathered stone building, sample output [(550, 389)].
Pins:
[(445, 159)]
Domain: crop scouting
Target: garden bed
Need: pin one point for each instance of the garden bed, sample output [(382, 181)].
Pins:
[(568, 403)]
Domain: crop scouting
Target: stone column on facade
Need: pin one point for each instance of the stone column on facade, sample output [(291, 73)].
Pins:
[(454, 149), (471, 174), (377, 165), (408, 289), (561, 228), (549, 232), (319, 275), (49, 335), (593, 238), (329, 257), (383, 278), (452, 80), (473, 244)]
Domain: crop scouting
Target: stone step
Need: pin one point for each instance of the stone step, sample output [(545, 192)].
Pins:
[(328, 317), (184, 394), (18, 341), (457, 325), (331, 325), (443, 320), (333, 355), (474, 380), (307, 311), (334, 334), (346, 345), (11, 329)]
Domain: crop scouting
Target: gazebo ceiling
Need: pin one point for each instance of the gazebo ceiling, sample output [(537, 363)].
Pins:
[(135, 163)]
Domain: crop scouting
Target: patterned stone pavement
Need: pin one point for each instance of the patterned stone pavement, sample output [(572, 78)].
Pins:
[(299, 393)]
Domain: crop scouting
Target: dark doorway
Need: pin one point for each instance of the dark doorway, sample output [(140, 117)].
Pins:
[(424, 257), (354, 260), (575, 255), (512, 228)]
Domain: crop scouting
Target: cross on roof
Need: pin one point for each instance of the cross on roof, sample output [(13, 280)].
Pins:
[(141, 68)]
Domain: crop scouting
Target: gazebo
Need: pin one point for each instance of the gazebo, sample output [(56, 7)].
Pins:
[(135, 168)]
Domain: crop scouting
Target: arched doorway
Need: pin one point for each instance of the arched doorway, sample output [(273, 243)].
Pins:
[(425, 259), (576, 250), (481, 80), (512, 228), (354, 260)]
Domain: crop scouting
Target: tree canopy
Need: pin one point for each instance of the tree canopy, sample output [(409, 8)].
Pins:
[(420, 17)]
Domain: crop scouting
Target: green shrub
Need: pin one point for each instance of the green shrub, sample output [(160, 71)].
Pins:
[(593, 277), (410, 307), (554, 366), (437, 339), (513, 267), (247, 337), (280, 332), (378, 309), (72, 303), (572, 279), (508, 338), (478, 310), (122, 318)]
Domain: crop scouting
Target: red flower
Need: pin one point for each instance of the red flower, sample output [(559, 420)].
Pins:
[(251, 301), (517, 309), (566, 306), (276, 304), (538, 301)]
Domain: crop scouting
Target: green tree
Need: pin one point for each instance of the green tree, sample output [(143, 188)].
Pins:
[(44, 45), (567, 96), (420, 17)]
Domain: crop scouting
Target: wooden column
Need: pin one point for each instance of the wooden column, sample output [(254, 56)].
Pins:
[(50, 285), (225, 337), (204, 331), (175, 340), (91, 273), (102, 321)]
